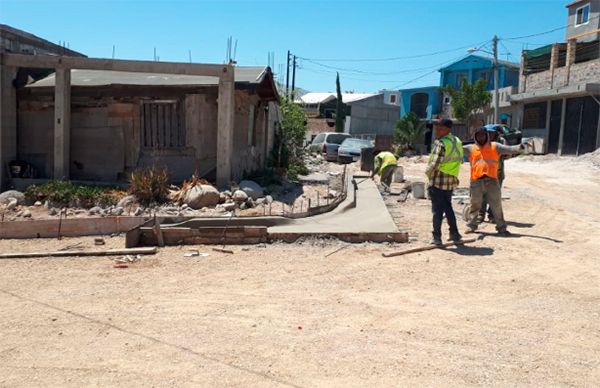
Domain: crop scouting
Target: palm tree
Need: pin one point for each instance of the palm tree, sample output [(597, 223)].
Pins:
[(409, 130)]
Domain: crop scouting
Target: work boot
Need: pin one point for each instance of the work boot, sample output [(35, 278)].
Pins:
[(455, 237), (471, 229), (504, 233), (436, 240)]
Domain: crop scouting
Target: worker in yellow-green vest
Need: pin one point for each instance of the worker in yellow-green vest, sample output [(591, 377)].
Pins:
[(385, 165), (442, 173)]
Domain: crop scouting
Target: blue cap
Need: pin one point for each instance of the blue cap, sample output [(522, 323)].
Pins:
[(490, 128)]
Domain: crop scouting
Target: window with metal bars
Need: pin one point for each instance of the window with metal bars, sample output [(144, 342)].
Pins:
[(161, 124)]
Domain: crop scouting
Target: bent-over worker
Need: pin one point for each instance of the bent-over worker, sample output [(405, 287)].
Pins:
[(385, 165)]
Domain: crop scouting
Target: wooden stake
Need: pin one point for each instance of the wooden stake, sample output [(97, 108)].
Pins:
[(158, 232), (429, 247)]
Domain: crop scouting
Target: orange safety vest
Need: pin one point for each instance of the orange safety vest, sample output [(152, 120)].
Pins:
[(484, 161)]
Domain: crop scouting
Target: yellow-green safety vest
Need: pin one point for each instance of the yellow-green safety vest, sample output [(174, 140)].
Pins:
[(384, 159), (453, 155)]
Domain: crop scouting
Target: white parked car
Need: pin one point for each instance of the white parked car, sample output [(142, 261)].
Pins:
[(327, 143), (350, 149)]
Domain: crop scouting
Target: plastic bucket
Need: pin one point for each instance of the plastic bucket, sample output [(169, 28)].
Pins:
[(418, 190), (399, 175)]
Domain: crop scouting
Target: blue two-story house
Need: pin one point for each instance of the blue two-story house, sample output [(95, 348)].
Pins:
[(427, 102), (474, 67)]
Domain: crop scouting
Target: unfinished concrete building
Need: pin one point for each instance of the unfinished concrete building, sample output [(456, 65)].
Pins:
[(100, 119)]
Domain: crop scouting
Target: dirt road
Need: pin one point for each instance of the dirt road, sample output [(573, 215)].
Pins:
[(503, 311)]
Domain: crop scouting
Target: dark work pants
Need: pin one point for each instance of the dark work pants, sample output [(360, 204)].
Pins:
[(484, 204), (441, 203)]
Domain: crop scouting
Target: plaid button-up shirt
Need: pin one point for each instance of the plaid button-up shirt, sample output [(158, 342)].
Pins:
[(437, 178)]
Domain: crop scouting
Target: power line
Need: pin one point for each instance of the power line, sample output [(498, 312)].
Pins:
[(330, 72), (426, 74), (341, 69), (545, 32), (389, 59)]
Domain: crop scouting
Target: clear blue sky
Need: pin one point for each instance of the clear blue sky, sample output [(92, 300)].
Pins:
[(314, 30)]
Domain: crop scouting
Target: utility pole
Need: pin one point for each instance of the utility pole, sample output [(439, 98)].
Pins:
[(293, 78), (496, 83), (287, 75)]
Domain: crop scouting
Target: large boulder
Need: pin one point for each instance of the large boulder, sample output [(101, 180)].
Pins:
[(253, 189), (7, 195), (201, 196)]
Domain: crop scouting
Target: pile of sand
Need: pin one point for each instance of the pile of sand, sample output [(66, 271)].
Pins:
[(592, 157)]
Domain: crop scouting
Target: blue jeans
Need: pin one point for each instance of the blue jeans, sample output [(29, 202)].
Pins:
[(441, 203)]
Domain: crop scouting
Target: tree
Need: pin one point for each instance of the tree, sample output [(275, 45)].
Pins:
[(470, 99), (409, 130), (288, 147), (340, 114)]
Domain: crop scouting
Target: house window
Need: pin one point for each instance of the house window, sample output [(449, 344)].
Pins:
[(582, 15), (393, 99), (161, 125), (534, 115), (459, 80), (419, 104)]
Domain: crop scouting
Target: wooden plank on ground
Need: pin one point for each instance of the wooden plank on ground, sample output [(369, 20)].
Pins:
[(107, 252), (428, 247)]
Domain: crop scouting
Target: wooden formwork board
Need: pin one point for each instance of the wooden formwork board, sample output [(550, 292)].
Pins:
[(69, 227)]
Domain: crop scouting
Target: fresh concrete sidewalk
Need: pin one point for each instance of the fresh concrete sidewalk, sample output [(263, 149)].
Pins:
[(369, 216)]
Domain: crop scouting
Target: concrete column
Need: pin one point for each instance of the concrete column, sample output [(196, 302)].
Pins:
[(226, 115), (547, 134), (8, 121), (553, 63), (62, 123), (571, 50), (563, 118), (522, 76)]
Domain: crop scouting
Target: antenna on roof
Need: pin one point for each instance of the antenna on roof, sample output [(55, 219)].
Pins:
[(113, 54), (190, 55), (155, 54)]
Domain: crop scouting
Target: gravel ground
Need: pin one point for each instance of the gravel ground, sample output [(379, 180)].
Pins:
[(500, 312)]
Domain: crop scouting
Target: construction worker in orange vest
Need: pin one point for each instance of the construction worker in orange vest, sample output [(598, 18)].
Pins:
[(484, 156)]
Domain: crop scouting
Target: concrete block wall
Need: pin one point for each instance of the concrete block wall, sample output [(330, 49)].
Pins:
[(248, 157), (585, 72)]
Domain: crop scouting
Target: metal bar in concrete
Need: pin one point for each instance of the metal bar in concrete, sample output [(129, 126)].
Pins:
[(226, 110), (66, 62), (62, 123)]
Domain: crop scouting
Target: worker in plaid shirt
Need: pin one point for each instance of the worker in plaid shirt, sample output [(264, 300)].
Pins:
[(442, 171)]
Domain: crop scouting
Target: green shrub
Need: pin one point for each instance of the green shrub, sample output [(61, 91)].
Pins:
[(150, 185), (296, 169), (65, 193)]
